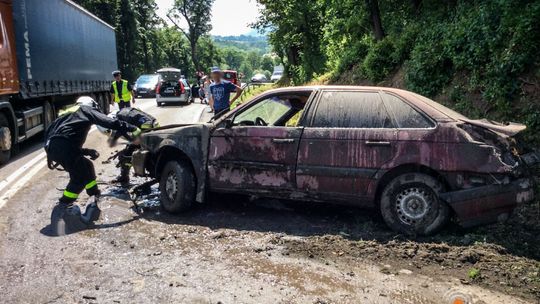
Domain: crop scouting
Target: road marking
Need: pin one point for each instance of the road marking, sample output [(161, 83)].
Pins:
[(20, 183), (8, 180), (38, 166)]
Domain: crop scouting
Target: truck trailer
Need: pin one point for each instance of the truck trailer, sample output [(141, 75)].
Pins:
[(51, 52)]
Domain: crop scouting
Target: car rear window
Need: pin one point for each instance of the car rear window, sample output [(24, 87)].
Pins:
[(346, 109), (405, 115)]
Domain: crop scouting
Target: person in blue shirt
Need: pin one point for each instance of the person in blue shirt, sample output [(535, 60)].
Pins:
[(220, 92)]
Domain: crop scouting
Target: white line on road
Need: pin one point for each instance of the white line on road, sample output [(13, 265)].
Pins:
[(20, 183), (39, 163), (21, 171)]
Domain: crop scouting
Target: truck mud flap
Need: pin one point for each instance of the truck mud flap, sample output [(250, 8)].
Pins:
[(487, 203)]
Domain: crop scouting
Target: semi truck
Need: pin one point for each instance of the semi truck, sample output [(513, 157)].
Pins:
[(51, 52)]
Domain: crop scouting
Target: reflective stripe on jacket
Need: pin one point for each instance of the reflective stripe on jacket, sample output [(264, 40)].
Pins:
[(126, 94)]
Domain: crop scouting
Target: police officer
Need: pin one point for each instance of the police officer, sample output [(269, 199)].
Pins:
[(64, 141), (121, 91), (135, 117)]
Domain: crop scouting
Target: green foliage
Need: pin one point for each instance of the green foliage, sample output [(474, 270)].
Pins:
[(380, 60), (472, 52), (473, 273)]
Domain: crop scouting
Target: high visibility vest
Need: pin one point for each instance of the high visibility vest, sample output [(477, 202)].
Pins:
[(126, 94)]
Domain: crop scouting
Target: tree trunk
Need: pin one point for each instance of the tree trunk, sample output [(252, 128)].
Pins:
[(194, 56), (416, 5), (375, 19), (146, 58)]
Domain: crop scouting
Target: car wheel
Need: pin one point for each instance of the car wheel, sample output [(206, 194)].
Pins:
[(158, 104), (177, 187), (410, 204)]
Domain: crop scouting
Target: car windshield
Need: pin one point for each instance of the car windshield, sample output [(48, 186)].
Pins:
[(277, 73), (229, 75), (170, 76), (147, 79)]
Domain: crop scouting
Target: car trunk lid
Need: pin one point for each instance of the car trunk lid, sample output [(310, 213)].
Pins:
[(508, 130)]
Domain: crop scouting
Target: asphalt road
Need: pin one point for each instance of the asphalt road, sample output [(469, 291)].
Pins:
[(223, 253)]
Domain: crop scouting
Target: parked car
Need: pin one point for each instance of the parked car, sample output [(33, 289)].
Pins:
[(146, 85), (276, 76), (172, 87), (231, 76), (418, 162), (259, 78)]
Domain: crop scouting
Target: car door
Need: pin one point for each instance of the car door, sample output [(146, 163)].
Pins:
[(250, 156), (349, 137)]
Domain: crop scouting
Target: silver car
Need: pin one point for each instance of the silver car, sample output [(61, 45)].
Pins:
[(173, 87)]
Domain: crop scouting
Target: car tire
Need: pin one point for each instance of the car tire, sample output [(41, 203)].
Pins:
[(177, 187), (410, 204)]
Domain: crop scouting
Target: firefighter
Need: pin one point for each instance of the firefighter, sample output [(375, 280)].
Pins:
[(135, 117), (121, 91), (64, 140)]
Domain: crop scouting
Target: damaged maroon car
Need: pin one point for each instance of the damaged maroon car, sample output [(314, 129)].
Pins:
[(418, 162)]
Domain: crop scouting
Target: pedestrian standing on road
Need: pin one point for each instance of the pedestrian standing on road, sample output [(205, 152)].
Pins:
[(205, 89), (220, 92), (121, 91), (64, 140)]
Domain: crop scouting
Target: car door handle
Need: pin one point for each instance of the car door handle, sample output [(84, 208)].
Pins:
[(283, 140), (377, 143)]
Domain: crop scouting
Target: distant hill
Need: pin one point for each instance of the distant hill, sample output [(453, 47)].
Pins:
[(244, 42)]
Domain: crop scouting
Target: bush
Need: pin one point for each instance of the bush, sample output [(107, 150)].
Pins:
[(380, 60)]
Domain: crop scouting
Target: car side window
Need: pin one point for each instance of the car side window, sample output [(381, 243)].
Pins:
[(265, 113), (405, 115), (350, 109)]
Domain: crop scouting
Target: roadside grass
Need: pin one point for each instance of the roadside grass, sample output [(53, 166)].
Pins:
[(251, 91)]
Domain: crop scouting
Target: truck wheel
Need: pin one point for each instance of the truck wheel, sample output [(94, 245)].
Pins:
[(410, 204), (177, 187), (49, 114), (4, 127)]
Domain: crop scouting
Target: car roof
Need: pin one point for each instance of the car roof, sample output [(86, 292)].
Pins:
[(169, 70), (229, 71), (433, 109)]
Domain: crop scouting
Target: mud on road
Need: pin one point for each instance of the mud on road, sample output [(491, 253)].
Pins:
[(234, 250)]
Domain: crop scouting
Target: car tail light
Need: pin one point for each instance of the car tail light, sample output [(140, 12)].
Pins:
[(182, 88), (158, 88)]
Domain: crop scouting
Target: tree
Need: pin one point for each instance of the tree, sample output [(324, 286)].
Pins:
[(295, 32), (147, 21), (197, 15), (375, 18)]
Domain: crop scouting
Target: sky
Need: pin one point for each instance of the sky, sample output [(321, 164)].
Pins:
[(229, 17)]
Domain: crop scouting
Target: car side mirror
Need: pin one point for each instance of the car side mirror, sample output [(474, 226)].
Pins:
[(228, 123)]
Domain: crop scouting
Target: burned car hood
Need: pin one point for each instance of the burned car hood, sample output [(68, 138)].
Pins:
[(180, 136), (509, 129)]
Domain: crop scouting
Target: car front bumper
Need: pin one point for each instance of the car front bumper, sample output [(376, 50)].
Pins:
[(486, 204)]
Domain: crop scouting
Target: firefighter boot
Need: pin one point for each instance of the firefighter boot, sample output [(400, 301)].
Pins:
[(123, 178), (66, 219), (92, 212)]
